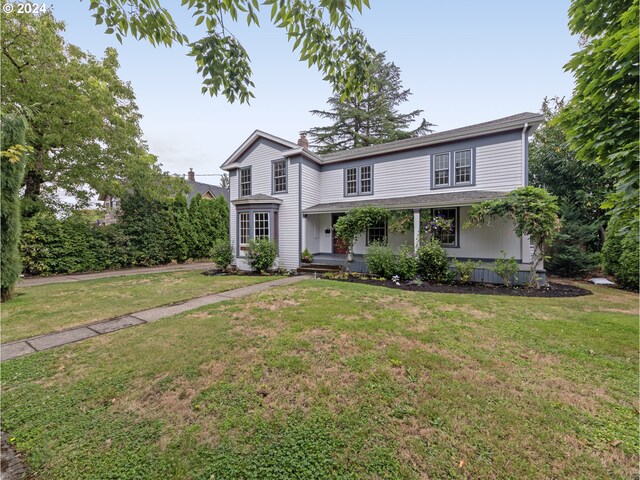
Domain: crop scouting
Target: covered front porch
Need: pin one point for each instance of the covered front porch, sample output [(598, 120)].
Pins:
[(484, 244)]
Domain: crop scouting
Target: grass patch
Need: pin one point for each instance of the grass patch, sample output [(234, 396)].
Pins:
[(48, 308), (331, 380)]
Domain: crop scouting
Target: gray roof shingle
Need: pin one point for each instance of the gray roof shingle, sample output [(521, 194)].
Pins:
[(478, 128), (202, 188), (415, 201)]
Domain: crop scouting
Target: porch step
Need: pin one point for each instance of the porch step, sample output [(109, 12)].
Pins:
[(318, 268)]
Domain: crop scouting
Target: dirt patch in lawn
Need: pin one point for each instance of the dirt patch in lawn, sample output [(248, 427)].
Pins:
[(554, 290)]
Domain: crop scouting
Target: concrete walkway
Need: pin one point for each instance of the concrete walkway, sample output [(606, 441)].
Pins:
[(183, 267), (31, 345)]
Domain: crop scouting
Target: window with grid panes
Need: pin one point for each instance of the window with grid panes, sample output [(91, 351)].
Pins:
[(447, 238), (261, 225), (280, 176), (245, 182), (463, 166), (366, 185), (351, 185), (441, 169)]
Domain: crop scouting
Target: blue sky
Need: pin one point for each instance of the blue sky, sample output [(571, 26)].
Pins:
[(465, 61)]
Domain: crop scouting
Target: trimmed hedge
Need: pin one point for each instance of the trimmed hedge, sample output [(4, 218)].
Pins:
[(149, 232), (13, 133), (621, 253)]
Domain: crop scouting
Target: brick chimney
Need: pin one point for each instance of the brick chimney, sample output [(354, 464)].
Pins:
[(191, 175), (302, 141)]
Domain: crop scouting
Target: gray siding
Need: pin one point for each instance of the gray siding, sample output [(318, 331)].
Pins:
[(260, 157), (498, 166)]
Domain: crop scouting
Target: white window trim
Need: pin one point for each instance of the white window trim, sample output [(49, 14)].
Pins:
[(285, 176), (436, 170), (255, 214), (245, 183), (470, 167)]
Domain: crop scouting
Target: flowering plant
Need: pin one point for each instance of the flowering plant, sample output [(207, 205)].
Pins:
[(439, 224)]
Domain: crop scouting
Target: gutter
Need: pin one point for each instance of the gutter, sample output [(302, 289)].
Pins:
[(525, 174), (440, 137), (525, 166)]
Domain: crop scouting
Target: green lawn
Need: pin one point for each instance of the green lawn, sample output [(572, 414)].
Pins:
[(48, 308), (332, 380)]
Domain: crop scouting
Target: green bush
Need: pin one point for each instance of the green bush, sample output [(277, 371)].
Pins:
[(432, 262), (628, 271), (620, 253), (222, 253), (465, 269), (407, 268), (13, 133), (381, 260), (149, 232), (306, 256), (262, 254), (506, 268)]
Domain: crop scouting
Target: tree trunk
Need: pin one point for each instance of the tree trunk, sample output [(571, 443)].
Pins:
[(33, 180)]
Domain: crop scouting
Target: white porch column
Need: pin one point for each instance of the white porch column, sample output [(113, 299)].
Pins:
[(416, 229), (303, 234)]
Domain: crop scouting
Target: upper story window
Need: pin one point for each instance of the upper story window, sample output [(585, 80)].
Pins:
[(450, 238), (441, 169), (245, 182), (463, 166), (280, 176), (366, 183), (351, 181), (358, 180), (452, 169)]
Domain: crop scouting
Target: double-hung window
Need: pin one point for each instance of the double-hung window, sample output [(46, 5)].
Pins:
[(366, 183), (351, 181), (452, 169), (358, 180), (261, 225), (448, 238), (245, 182), (377, 233), (243, 227), (441, 169), (280, 176), (463, 166)]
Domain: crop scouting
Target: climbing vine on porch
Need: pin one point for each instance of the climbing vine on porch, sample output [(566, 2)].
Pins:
[(534, 212), (350, 226)]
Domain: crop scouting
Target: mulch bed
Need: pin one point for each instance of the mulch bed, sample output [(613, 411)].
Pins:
[(554, 290), (216, 272)]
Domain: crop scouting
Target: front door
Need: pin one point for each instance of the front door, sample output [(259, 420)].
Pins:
[(339, 246)]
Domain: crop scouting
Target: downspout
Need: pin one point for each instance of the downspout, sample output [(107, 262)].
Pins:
[(525, 163), (525, 174)]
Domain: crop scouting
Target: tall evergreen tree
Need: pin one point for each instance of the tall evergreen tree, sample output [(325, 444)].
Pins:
[(581, 188), (13, 135), (373, 117)]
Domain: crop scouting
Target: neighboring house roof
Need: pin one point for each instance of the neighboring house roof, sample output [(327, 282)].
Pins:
[(203, 188), (504, 124), (257, 198), (415, 201)]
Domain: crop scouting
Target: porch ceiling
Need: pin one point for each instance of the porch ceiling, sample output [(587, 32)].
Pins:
[(418, 201)]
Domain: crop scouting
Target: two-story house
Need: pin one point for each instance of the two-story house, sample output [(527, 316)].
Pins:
[(283, 191)]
